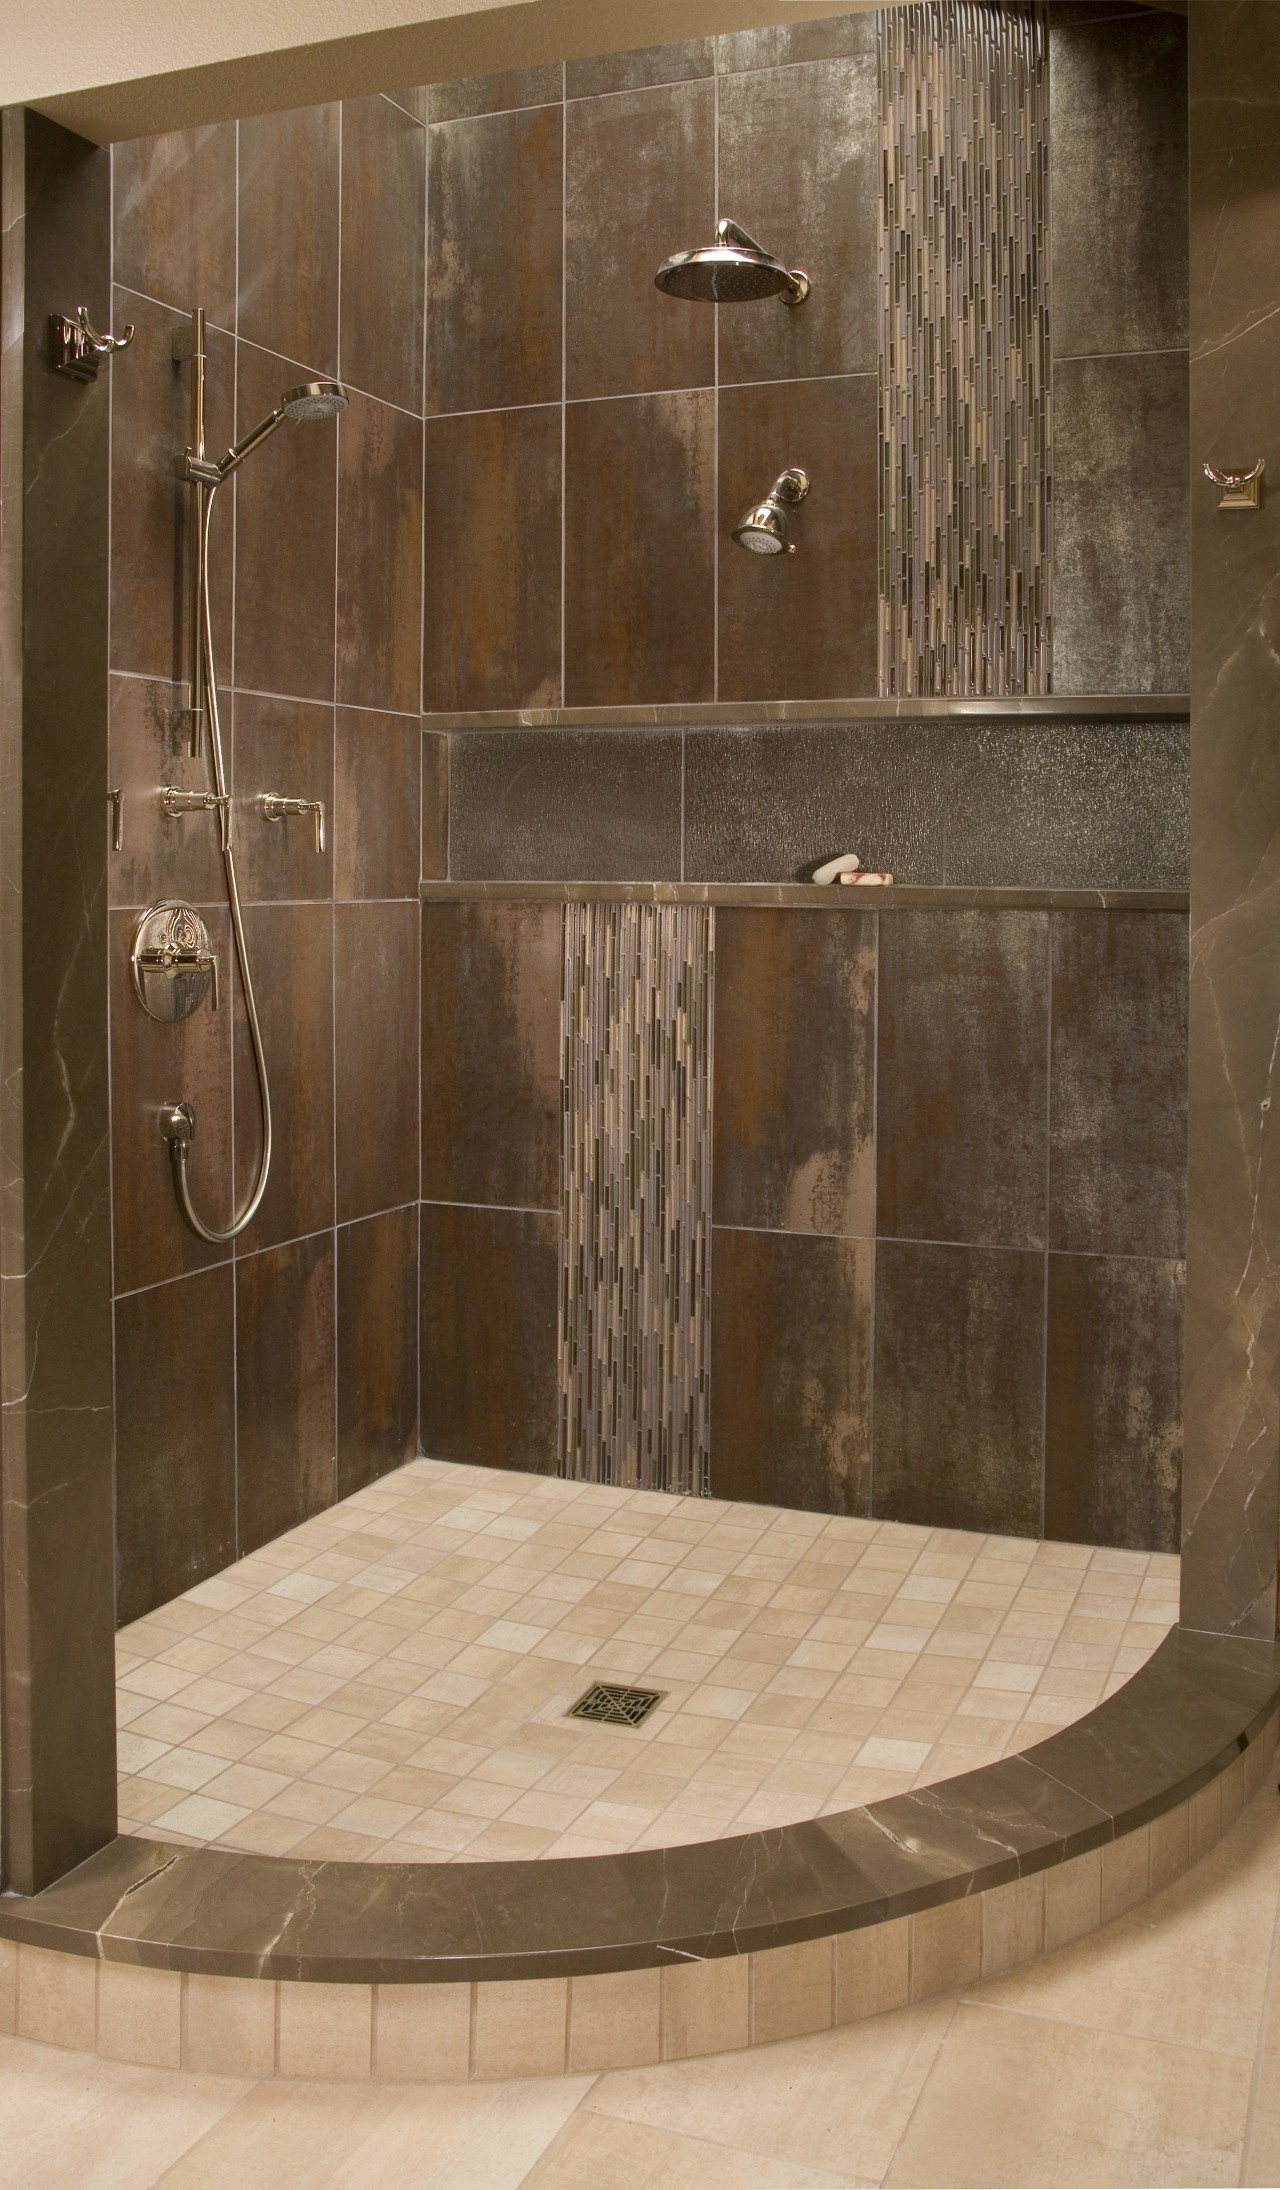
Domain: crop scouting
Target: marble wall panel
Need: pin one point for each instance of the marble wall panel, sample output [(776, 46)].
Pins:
[(1231, 1495)]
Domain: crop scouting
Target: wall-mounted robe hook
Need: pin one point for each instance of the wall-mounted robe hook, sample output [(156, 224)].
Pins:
[(1238, 489), (76, 347)]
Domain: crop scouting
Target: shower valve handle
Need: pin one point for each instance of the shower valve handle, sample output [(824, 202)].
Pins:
[(275, 807)]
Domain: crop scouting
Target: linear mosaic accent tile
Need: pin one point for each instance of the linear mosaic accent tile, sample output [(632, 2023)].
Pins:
[(636, 1194), (965, 512)]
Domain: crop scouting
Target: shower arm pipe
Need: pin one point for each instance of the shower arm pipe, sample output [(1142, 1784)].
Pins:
[(177, 1123)]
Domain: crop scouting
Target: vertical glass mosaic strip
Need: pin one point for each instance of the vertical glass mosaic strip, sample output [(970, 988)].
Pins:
[(636, 1195), (965, 511)]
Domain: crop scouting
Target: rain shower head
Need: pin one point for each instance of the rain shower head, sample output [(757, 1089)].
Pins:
[(312, 399), (766, 528), (735, 269)]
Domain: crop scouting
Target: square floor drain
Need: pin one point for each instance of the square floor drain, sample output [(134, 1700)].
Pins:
[(610, 1706)]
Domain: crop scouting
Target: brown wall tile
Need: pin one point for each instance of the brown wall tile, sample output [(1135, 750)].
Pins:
[(490, 1281), (959, 1359), (284, 1387), (384, 158), (639, 516), (379, 557), (632, 71), (174, 215), (149, 741), (498, 94), (795, 1070), (1121, 587), (152, 512), (284, 746), (291, 956), (435, 805), (494, 254), (151, 1064), (1113, 1414), (289, 222), (569, 804), (286, 542), (376, 1031), (779, 45), (799, 169), (803, 625), (963, 1067), (1118, 151), (1118, 1120), (377, 1346), (376, 804), (175, 1439), (790, 1370), (640, 184), (491, 978), (492, 560)]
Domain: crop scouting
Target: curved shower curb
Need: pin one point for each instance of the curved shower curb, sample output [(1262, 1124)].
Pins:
[(246, 1964)]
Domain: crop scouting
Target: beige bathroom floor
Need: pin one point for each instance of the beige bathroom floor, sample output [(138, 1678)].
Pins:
[(390, 1680), (1146, 2054)]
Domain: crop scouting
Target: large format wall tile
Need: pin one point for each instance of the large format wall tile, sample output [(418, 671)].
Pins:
[(492, 560), (174, 216), (640, 185), (1064, 805), (494, 260), (769, 804), (565, 803), (799, 169), (639, 552), (1121, 568), (963, 1065), (790, 1370), (491, 979), (383, 252), (377, 1305), (284, 1387), (795, 1070), (959, 1357), (286, 542), (148, 745), (497, 94), (152, 1063), (152, 510), (289, 222), (1118, 149), (1113, 1405), (379, 661), (375, 969), (1118, 1124), (633, 71), (282, 746), (803, 624), (490, 1279), (291, 956), (376, 795), (175, 1439), (781, 44)]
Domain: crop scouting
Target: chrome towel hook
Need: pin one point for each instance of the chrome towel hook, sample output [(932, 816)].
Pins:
[(1238, 489), (75, 346)]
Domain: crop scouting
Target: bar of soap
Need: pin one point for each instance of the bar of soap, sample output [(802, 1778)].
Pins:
[(866, 880), (841, 869)]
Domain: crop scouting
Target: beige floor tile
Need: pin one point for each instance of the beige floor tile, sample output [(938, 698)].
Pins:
[(70, 2122), (838, 2101), (1189, 1967), (1025, 2101), (441, 2137), (592, 2152)]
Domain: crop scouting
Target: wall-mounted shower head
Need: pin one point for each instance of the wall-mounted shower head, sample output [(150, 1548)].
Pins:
[(766, 528), (312, 399), (735, 269)]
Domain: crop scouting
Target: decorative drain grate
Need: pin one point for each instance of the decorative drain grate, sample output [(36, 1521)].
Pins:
[(610, 1706)]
